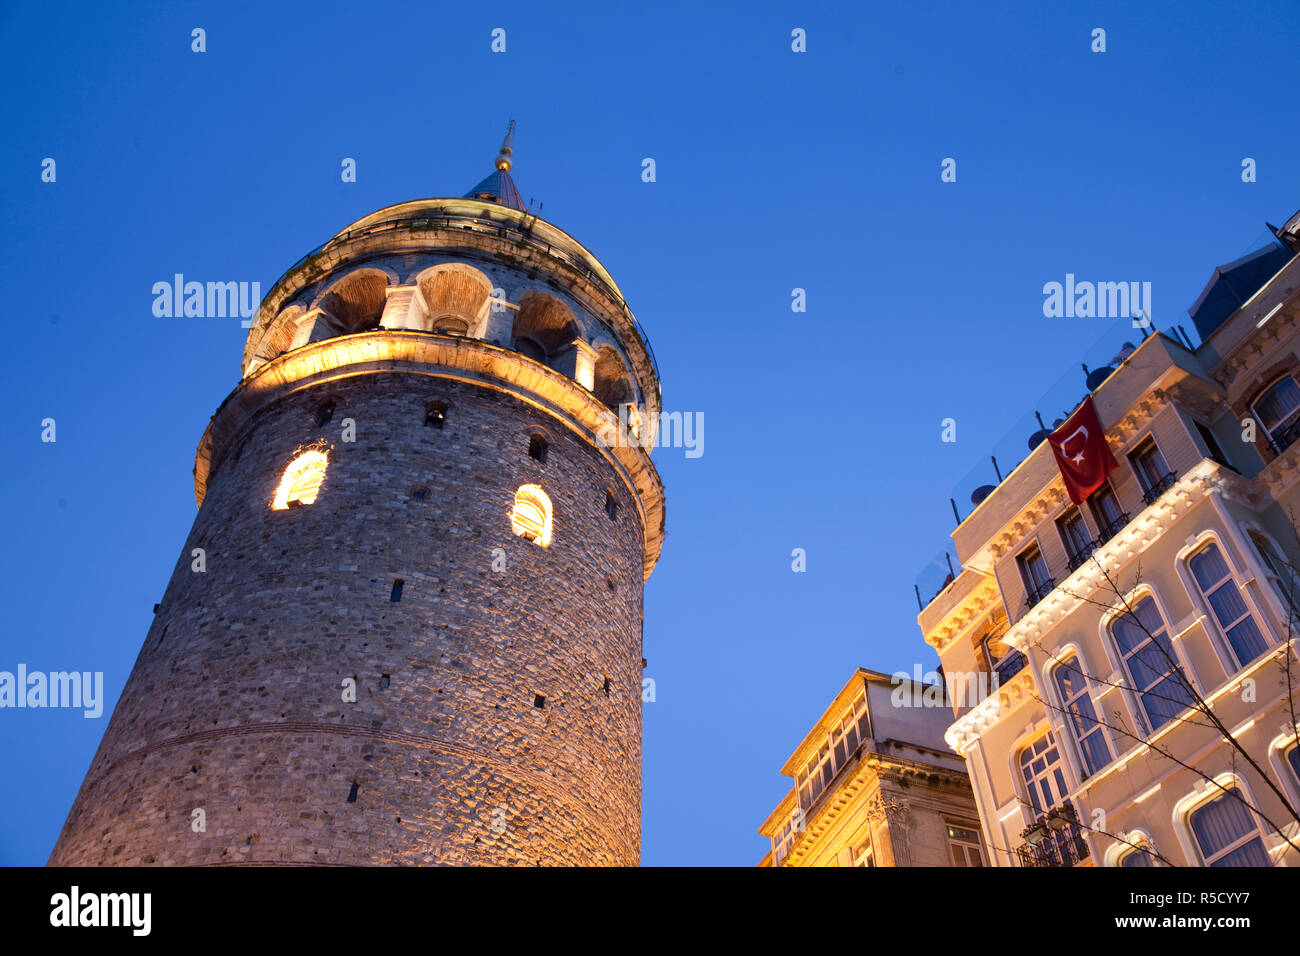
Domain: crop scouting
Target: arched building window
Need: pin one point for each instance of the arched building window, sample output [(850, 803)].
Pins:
[(1151, 662), (1278, 410), (1080, 716), (1228, 607), (301, 481), (531, 516), (1040, 768)]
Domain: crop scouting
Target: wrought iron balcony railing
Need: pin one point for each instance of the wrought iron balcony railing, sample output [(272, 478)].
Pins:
[(1055, 839), (1109, 531), (1077, 558), (1034, 595), (1011, 665), (1284, 438), (1159, 488)]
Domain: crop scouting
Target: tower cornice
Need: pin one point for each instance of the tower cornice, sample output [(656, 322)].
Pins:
[(442, 356)]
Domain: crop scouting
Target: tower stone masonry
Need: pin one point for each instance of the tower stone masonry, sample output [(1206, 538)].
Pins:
[(405, 627)]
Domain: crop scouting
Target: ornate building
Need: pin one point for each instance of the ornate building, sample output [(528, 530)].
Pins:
[(875, 784), (406, 625), (1137, 633)]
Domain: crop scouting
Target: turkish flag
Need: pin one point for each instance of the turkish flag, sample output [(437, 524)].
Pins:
[(1082, 453)]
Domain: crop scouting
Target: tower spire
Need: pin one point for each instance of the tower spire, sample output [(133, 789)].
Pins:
[(505, 159), (499, 187)]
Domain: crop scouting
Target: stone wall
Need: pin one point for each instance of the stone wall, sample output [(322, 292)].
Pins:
[(235, 702)]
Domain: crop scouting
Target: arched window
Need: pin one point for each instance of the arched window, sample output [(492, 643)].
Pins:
[(1080, 715), (1226, 832), (531, 516), (1228, 607), (1040, 767), (1149, 659), (301, 481), (1278, 410), (451, 325), (537, 447)]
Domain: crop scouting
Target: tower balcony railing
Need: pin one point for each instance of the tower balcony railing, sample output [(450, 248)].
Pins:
[(521, 236)]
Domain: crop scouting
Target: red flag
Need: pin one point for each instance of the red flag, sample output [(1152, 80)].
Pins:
[(1082, 453)]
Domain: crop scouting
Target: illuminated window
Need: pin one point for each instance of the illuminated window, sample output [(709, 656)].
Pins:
[(1040, 766), (301, 481), (863, 854), (435, 414), (1080, 716), (967, 850), (531, 516)]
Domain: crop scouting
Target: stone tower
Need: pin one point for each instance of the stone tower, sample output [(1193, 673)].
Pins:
[(406, 625)]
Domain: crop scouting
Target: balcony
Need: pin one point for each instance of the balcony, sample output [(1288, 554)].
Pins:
[(1284, 438), (1011, 665), (1106, 532), (1054, 839), (1159, 488), (1034, 595), (1076, 559)]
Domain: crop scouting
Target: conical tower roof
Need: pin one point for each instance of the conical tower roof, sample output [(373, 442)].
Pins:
[(499, 187)]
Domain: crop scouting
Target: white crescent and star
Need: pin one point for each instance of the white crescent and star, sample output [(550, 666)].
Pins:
[(1078, 459)]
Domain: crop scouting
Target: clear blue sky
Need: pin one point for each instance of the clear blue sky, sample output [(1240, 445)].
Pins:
[(775, 170)]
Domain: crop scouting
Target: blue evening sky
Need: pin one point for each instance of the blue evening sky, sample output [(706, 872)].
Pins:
[(775, 170)]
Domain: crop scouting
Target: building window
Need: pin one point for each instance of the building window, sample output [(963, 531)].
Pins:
[(1212, 445), (1221, 593), (1136, 858), (537, 448), (611, 505), (839, 747), (531, 516), (396, 594), (1293, 760), (1106, 512), (1040, 767), (864, 854), (1278, 410), (1148, 655), (451, 325), (435, 414), (967, 850), (1033, 571), (301, 481), (1152, 473), (1074, 535), (324, 414), (1226, 833), (1080, 716)]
